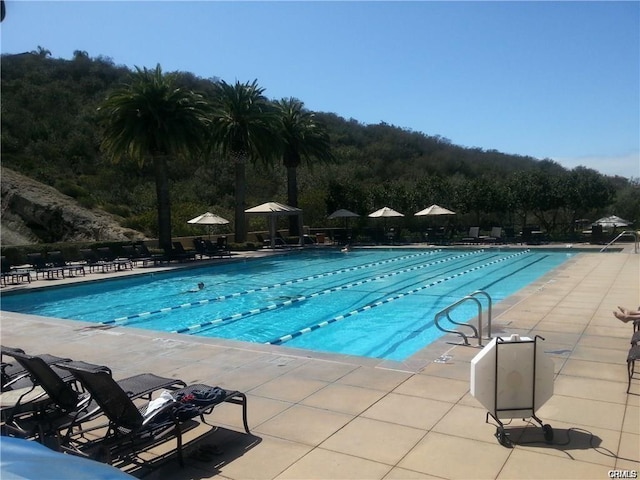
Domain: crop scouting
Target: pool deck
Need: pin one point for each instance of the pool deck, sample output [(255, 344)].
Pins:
[(325, 416)]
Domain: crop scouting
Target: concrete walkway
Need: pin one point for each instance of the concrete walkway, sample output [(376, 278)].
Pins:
[(322, 416)]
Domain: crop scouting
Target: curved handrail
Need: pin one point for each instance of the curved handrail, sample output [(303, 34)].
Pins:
[(477, 332), (625, 233)]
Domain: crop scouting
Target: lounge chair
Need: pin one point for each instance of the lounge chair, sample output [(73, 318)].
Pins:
[(179, 253), (129, 429), (65, 407), (56, 259), (223, 246), (202, 249), (13, 276), (14, 375), (147, 257), (42, 267), (494, 237), (473, 236), (106, 254), (94, 263)]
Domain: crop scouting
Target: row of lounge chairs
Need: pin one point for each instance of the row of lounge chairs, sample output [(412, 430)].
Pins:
[(54, 265), (81, 409)]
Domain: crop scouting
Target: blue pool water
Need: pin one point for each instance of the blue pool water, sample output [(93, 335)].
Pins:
[(370, 302)]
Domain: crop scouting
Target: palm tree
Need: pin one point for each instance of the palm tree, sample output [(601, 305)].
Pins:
[(302, 138), (243, 126), (151, 119)]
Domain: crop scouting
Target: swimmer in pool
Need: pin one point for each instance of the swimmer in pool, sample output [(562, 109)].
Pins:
[(194, 290)]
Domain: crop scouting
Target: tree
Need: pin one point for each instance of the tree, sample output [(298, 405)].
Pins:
[(42, 52), (302, 137), (243, 127), (152, 120)]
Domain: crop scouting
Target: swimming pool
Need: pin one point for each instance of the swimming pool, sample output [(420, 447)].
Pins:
[(369, 302)]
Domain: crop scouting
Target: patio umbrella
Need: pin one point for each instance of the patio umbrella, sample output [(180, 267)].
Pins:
[(434, 210), (273, 210), (385, 212), (612, 221), (209, 219), (343, 213)]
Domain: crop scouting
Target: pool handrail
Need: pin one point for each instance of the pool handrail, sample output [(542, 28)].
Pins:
[(477, 332), (624, 234)]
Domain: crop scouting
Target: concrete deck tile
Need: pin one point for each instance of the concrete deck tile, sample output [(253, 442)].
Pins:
[(632, 416), (467, 422), (376, 378), (374, 440), (597, 370), (581, 387), (408, 410), (404, 474), (324, 464), (452, 457), (306, 425), (436, 388), (525, 464), (581, 411), (343, 398), (628, 457), (289, 388)]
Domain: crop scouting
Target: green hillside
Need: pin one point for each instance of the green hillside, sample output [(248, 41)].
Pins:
[(50, 133)]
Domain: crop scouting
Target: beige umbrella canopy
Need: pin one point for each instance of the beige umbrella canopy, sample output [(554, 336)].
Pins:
[(434, 210), (209, 219), (612, 221), (385, 212), (274, 210)]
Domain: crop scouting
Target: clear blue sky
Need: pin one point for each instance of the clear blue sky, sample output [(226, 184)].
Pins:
[(558, 80)]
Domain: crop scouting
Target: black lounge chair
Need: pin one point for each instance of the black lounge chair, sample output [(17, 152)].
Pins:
[(94, 263), (129, 429), (223, 246), (106, 254), (14, 375), (179, 253), (56, 259), (201, 248), (42, 267), (473, 236), (147, 257), (13, 276), (65, 406)]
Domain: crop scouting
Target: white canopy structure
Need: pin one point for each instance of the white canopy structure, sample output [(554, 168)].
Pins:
[(385, 212), (208, 219), (274, 210), (434, 210)]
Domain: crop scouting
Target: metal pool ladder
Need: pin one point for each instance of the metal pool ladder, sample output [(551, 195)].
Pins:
[(626, 233), (472, 297)]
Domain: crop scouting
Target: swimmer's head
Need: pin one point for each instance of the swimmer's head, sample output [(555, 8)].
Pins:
[(200, 285)]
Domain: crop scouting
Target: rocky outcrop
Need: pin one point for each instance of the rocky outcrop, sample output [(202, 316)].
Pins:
[(32, 212)]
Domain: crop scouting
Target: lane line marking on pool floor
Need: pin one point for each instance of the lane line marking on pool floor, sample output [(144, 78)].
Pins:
[(217, 321), (128, 319), (311, 328)]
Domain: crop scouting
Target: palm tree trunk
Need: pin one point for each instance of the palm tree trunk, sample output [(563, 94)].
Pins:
[(240, 197), (163, 201), (292, 199)]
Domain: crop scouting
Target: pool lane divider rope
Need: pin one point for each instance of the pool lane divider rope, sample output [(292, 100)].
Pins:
[(130, 318), (291, 336), (273, 306)]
